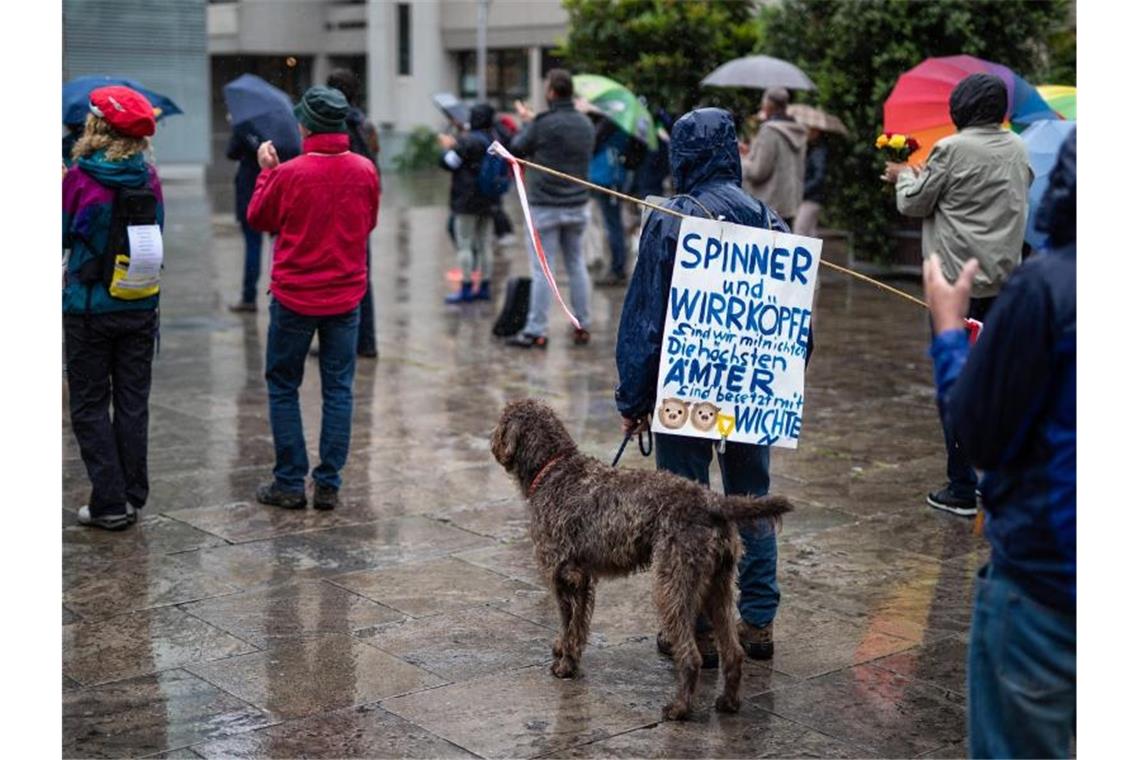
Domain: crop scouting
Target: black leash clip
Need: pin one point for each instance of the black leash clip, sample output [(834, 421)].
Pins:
[(644, 444)]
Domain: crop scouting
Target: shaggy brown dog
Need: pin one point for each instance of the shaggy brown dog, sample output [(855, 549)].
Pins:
[(589, 521)]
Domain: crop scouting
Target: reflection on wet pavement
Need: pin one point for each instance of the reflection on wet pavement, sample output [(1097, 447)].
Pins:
[(411, 621)]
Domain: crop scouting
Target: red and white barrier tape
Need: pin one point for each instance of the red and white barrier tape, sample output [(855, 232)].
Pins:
[(516, 170)]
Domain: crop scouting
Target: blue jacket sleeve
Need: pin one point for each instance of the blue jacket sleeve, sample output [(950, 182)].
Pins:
[(1002, 389), (643, 317)]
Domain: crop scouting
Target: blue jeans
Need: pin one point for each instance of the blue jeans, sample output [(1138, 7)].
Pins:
[(1021, 673), (559, 228), (744, 470), (252, 270), (615, 234), (290, 335)]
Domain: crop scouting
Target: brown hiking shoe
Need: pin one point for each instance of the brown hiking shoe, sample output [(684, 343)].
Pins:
[(757, 642), (705, 643)]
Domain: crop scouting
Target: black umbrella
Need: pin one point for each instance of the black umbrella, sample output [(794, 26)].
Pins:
[(452, 107), (263, 112)]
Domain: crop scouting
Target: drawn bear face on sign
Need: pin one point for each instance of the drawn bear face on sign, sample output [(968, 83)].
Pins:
[(703, 416), (673, 413)]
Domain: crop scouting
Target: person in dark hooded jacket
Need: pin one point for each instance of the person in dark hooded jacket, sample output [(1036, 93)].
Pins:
[(973, 198), (705, 161), (463, 157), (1011, 403), (363, 141)]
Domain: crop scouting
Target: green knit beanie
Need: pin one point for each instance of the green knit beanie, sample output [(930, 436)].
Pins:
[(322, 109)]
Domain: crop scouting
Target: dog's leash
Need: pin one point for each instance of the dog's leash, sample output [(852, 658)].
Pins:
[(645, 448)]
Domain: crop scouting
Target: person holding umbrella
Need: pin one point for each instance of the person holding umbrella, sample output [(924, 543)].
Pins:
[(773, 163), (258, 112), (363, 140)]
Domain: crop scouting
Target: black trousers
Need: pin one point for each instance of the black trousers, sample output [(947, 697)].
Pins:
[(109, 361), (959, 472)]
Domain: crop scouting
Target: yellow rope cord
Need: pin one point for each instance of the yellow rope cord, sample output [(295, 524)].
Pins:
[(662, 209)]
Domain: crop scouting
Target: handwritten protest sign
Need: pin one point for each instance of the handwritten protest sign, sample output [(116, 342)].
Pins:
[(736, 331)]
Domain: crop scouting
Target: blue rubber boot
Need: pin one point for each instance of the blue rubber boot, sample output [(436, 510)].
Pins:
[(463, 295), (484, 292)]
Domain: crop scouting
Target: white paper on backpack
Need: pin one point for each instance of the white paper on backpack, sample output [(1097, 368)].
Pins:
[(146, 256)]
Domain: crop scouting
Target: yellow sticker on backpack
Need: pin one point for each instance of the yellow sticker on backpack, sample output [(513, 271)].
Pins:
[(136, 276)]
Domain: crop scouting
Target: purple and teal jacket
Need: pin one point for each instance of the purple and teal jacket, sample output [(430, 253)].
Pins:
[(88, 196)]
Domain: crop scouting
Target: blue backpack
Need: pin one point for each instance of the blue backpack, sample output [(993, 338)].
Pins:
[(494, 177)]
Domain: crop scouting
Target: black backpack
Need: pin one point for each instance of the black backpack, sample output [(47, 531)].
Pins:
[(516, 302), (132, 206)]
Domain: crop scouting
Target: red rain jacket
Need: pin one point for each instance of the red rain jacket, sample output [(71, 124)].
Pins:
[(321, 205)]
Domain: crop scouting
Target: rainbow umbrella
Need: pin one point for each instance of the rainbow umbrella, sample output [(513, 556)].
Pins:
[(1061, 98), (919, 105), (1043, 141)]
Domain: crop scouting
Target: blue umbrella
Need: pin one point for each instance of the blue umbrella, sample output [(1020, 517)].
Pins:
[(77, 96), (259, 109), (1043, 140)]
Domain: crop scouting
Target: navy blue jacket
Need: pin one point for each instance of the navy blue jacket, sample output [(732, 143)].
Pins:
[(705, 160), (1013, 406)]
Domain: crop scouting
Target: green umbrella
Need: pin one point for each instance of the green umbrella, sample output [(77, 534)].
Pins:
[(620, 105)]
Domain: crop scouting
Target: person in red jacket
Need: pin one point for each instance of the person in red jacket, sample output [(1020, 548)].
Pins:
[(321, 206)]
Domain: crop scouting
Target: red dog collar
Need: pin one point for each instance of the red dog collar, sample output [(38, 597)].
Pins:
[(542, 473)]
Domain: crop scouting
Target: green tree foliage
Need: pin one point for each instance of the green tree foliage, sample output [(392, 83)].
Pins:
[(855, 52), (660, 49), (421, 151)]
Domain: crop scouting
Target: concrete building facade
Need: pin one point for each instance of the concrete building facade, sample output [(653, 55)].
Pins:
[(160, 43), (404, 52)]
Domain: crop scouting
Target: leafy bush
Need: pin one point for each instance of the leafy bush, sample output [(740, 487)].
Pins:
[(662, 49), (421, 151), (855, 52)]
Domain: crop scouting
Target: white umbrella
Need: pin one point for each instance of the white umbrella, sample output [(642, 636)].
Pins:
[(814, 117), (761, 72)]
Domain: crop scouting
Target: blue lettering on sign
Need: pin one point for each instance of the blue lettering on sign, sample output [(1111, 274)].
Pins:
[(686, 245), (801, 263)]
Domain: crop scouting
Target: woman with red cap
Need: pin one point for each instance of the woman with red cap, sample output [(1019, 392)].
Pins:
[(112, 209)]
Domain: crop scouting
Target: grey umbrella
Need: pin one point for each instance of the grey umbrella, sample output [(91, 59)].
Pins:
[(761, 72)]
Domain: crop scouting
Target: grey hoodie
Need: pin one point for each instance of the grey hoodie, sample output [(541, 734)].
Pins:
[(774, 166)]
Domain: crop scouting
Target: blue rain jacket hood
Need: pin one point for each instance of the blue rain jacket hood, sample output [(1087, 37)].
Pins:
[(705, 160)]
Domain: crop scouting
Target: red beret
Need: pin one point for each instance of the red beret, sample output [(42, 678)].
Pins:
[(127, 111)]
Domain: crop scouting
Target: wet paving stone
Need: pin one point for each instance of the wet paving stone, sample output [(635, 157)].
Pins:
[(98, 590), (427, 588), (504, 520), (150, 714), (747, 734), (513, 560), (941, 663), (309, 608), (646, 680), (152, 534), (368, 731), (294, 678), (142, 642), (458, 646), (523, 713), (336, 634), (316, 554), (889, 715), (809, 642)]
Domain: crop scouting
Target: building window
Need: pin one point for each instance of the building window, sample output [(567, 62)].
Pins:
[(404, 39), (508, 77)]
